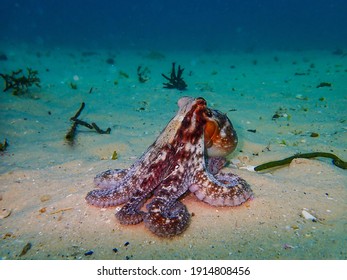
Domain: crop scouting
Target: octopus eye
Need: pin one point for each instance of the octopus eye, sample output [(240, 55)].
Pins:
[(209, 113), (212, 128), (210, 131)]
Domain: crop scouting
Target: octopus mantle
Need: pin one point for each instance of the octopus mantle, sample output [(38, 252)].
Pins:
[(187, 156)]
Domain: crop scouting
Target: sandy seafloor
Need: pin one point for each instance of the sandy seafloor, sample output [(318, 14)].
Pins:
[(43, 180)]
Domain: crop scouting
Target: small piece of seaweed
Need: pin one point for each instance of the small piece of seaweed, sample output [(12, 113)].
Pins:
[(323, 84), (143, 74), (114, 155), (336, 160), (70, 136), (123, 74), (73, 85), (3, 145), (19, 83), (25, 249), (175, 81)]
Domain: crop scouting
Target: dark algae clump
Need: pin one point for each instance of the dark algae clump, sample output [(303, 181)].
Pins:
[(324, 84), (143, 74), (110, 61), (70, 136), (20, 83), (175, 81), (73, 85), (25, 249), (3, 145)]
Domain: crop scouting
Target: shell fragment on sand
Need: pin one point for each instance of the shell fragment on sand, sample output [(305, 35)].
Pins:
[(308, 216), (4, 213)]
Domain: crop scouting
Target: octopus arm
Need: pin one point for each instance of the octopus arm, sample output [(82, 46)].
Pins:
[(221, 189), (215, 164), (113, 178), (167, 216), (117, 186), (130, 213), (108, 197), (114, 188), (146, 179), (110, 178)]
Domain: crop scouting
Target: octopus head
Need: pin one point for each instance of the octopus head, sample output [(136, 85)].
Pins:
[(195, 119), (219, 134)]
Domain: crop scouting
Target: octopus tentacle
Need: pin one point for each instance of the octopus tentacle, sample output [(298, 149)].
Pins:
[(114, 188), (118, 186), (154, 163), (166, 215), (108, 197), (166, 219), (215, 164), (109, 178), (113, 178), (220, 189), (130, 213)]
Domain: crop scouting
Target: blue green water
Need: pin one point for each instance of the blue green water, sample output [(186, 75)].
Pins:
[(178, 24)]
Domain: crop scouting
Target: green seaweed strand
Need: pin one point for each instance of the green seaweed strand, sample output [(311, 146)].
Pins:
[(336, 160)]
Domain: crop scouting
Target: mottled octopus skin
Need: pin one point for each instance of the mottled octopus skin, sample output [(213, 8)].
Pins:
[(187, 156)]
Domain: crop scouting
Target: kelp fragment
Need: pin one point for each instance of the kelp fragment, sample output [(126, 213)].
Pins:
[(71, 133), (78, 112), (70, 136), (143, 74), (99, 130), (25, 249), (3, 145), (324, 84), (73, 85), (114, 155), (123, 74), (175, 81), (336, 160), (19, 83)]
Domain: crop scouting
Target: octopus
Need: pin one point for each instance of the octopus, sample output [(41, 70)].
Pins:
[(187, 156)]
